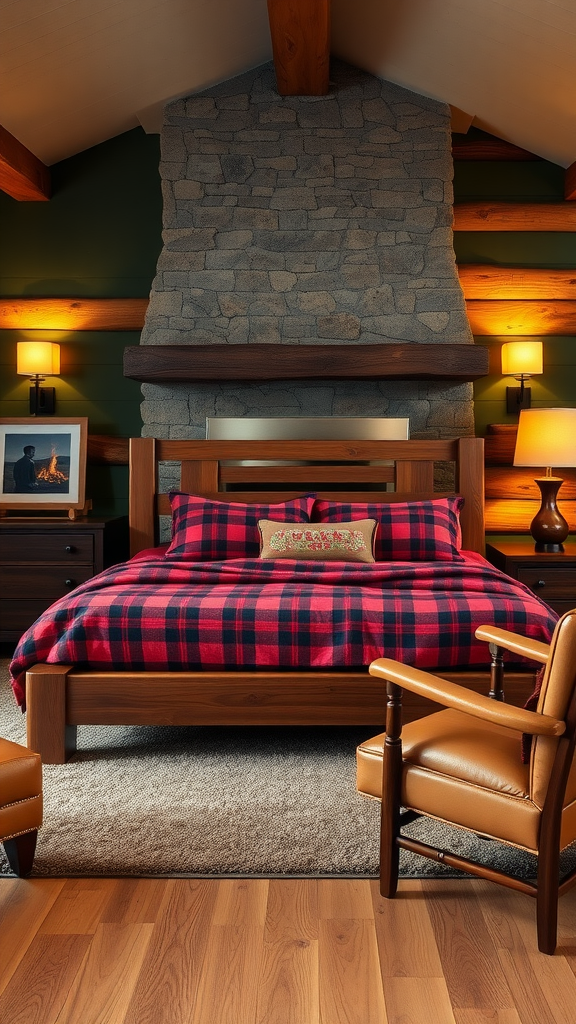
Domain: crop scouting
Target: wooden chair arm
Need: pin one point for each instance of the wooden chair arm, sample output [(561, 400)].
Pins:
[(451, 695), (514, 642)]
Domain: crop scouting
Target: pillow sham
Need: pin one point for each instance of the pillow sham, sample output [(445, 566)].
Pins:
[(338, 542), (408, 531), (206, 530)]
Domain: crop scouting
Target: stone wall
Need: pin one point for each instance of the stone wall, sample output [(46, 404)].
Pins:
[(307, 220)]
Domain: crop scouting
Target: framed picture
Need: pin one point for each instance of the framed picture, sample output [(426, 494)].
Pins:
[(43, 463)]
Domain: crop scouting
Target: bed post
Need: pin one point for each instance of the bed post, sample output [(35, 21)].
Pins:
[(142, 511), (470, 484), (46, 728)]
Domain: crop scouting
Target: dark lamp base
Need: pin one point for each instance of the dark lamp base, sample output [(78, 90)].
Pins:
[(549, 528)]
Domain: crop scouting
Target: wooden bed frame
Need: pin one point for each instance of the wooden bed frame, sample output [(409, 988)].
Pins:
[(59, 698)]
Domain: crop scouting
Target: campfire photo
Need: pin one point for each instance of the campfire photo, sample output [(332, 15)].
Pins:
[(42, 464)]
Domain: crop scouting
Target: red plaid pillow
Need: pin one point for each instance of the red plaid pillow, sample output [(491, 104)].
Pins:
[(408, 531), (205, 530)]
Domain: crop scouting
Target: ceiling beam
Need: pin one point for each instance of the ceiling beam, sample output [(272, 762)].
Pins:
[(490, 216), (22, 175), (481, 281), (521, 318), (73, 314), (300, 31), (465, 148)]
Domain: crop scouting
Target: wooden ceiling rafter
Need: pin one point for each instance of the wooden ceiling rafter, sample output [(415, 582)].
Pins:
[(300, 31), (22, 175)]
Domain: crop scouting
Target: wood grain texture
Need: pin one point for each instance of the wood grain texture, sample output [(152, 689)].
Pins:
[(104, 449), (453, 950), (395, 361), (522, 317), (485, 215), (467, 148), (22, 175), (518, 482), (300, 31), (486, 282), (288, 988), (515, 515), (73, 314)]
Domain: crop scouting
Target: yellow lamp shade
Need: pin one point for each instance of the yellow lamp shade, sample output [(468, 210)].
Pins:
[(522, 357), (38, 358), (546, 437)]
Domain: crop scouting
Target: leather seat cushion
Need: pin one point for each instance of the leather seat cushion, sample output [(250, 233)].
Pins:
[(463, 771)]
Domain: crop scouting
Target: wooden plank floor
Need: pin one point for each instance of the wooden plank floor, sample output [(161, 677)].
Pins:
[(301, 951)]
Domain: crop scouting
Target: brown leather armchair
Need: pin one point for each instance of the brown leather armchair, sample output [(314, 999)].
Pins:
[(463, 766), (20, 804)]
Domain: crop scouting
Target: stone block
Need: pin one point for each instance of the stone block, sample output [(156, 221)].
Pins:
[(277, 163), (376, 301), (402, 259), (172, 144), (252, 281), (293, 199), (189, 239), (213, 217), (204, 167), (339, 325), (188, 189), (421, 219), (201, 107), (260, 220), (293, 220), (282, 281), (377, 111), (316, 302), (277, 115), (173, 411), (360, 276), (236, 168), (233, 239), (213, 280), (233, 304), (263, 329), (437, 322), (200, 303), (227, 259)]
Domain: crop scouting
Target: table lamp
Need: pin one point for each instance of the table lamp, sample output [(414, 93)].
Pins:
[(547, 437)]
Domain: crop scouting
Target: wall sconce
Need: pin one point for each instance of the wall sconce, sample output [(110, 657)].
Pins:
[(521, 359), (37, 360), (547, 437)]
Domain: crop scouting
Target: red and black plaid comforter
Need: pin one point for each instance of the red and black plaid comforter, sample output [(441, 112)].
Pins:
[(157, 614)]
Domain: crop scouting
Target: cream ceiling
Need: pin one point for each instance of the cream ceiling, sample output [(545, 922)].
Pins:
[(76, 72)]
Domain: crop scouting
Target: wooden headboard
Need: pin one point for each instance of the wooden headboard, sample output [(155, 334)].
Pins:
[(336, 469)]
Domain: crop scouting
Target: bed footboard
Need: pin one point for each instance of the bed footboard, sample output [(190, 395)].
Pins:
[(60, 698)]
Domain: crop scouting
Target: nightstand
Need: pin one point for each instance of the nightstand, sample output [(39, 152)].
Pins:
[(551, 575), (43, 559)]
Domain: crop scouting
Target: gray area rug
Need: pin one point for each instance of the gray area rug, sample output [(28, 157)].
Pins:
[(221, 801)]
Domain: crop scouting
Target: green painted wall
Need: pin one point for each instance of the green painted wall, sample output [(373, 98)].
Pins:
[(99, 236), (530, 181)]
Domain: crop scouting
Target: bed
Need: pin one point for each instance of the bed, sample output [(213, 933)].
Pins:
[(95, 687)]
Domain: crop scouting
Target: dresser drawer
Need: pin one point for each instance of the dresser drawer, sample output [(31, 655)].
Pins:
[(550, 582), (40, 547), (17, 616), (44, 583)]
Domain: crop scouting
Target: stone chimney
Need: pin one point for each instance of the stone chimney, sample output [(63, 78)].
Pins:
[(307, 220)]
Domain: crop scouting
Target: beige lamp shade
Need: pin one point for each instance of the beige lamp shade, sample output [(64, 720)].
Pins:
[(522, 357), (546, 437), (38, 358)]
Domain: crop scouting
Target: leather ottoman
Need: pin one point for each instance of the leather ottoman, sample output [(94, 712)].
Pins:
[(20, 804)]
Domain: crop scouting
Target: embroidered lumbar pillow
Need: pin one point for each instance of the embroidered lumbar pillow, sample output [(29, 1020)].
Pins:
[(326, 542)]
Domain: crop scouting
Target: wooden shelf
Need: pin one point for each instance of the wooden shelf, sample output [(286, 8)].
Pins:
[(188, 363)]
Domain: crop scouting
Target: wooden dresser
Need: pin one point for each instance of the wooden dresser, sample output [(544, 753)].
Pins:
[(41, 559)]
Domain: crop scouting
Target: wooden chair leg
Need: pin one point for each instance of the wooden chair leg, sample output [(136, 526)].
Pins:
[(391, 790), (547, 900), (20, 853)]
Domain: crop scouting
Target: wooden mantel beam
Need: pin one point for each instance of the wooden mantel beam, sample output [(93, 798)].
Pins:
[(400, 361), (22, 175), (300, 31)]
